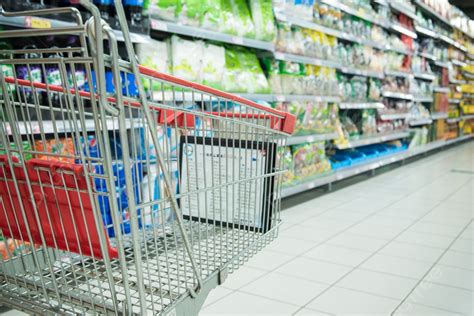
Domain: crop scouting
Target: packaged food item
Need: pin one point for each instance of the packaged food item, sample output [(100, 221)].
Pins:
[(310, 160), (232, 72), (167, 10), (369, 122), (191, 12), (212, 17), (272, 69), (186, 58), (236, 18), (213, 65), (155, 55), (284, 153), (256, 82), (61, 148), (26, 147), (263, 19)]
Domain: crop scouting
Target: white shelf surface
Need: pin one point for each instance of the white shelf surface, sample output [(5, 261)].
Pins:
[(361, 105), (374, 139), (397, 95), (468, 117), (175, 28), (369, 165), (428, 56), (455, 101), (288, 97), (394, 116), (306, 60), (403, 30), (439, 116), (453, 120), (420, 121), (395, 73), (441, 89), (424, 75), (302, 139), (425, 31), (422, 99)]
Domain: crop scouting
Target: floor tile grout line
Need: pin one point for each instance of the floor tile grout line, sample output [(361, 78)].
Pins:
[(321, 243), (416, 221), (430, 269)]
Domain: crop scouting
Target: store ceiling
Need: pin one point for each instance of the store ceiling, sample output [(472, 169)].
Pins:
[(465, 5)]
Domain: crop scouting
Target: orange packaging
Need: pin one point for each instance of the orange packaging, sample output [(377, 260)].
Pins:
[(62, 149)]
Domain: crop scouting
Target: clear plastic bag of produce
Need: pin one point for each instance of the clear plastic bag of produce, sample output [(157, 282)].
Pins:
[(213, 65), (187, 56), (236, 18), (263, 19)]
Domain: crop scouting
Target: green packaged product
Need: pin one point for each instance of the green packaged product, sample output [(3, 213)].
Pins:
[(212, 14), (26, 147), (154, 55), (192, 12), (263, 19), (232, 70), (257, 82), (167, 10), (213, 65), (236, 18)]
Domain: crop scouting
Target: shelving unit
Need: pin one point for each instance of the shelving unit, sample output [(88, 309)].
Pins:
[(380, 103), (370, 165), (373, 139)]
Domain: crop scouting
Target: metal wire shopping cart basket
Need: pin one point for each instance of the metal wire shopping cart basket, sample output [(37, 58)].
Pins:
[(124, 190)]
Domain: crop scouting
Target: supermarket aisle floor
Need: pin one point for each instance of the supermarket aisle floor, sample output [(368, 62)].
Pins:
[(400, 243)]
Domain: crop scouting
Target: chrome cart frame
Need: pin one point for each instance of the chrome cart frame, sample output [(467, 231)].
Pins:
[(124, 190)]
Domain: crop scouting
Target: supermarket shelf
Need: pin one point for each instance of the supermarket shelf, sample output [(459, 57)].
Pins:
[(294, 140), (400, 50), (420, 122), (397, 6), (441, 89), (453, 120), (61, 127), (360, 72), (371, 164), (395, 73), (468, 117), (439, 116), (347, 9), (306, 60), (452, 42), (458, 62), (422, 99), (403, 30), (26, 21), (456, 81), (394, 116), (373, 139), (427, 32), (424, 75), (442, 64), (361, 105), (397, 95), (428, 56), (330, 31), (432, 12), (170, 27), (288, 97), (455, 101)]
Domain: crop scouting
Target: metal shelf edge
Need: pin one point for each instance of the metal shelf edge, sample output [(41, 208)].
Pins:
[(369, 165)]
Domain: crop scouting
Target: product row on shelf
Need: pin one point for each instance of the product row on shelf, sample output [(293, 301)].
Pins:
[(370, 81)]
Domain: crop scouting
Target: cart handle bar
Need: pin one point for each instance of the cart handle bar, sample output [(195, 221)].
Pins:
[(287, 120)]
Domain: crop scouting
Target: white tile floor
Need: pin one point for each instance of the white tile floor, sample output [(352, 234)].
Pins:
[(400, 243)]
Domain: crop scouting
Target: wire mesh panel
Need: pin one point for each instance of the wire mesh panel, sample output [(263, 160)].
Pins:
[(119, 199)]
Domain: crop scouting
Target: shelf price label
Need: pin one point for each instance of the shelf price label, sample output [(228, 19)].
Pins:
[(237, 40), (158, 25), (36, 23)]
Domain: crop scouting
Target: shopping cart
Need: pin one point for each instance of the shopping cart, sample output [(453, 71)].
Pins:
[(124, 190)]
